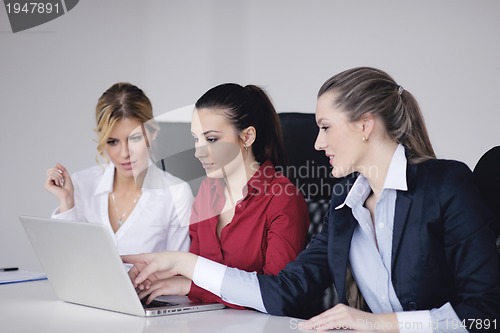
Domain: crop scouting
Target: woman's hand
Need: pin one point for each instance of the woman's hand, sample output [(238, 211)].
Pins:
[(342, 316), (151, 267), (176, 285), (59, 184)]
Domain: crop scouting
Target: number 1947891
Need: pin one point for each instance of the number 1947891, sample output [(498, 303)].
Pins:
[(477, 324), (32, 8)]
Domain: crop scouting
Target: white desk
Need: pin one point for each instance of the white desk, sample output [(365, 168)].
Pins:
[(31, 307)]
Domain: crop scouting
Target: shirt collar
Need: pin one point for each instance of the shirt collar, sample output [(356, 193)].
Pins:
[(394, 180), (396, 174), (360, 190), (105, 185)]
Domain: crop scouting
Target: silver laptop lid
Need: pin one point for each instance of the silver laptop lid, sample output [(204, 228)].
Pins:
[(82, 264)]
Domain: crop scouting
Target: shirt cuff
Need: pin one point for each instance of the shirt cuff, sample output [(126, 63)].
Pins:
[(70, 214), (414, 321), (445, 320), (242, 288), (208, 275)]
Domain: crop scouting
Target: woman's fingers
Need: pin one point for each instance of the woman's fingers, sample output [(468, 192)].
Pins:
[(323, 321), (133, 272), (66, 177), (60, 167), (55, 176), (58, 176), (156, 289), (342, 316), (155, 293), (159, 288), (146, 267), (338, 317), (145, 273), (144, 293)]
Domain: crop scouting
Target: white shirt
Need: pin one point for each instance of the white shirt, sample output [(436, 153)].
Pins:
[(371, 245), (159, 220)]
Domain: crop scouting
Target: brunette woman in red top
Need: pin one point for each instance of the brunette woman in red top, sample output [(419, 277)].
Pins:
[(246, 214)]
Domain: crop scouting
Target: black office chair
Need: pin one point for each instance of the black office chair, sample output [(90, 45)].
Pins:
[(306, 167), (487, 177), (310, 171)]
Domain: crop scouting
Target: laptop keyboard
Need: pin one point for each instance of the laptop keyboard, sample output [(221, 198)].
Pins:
[(156, 304)]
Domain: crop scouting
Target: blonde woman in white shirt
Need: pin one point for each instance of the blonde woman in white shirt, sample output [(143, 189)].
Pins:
[(146, 208)]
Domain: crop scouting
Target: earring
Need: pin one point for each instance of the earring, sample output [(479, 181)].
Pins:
[(246, 148), (365, 139)]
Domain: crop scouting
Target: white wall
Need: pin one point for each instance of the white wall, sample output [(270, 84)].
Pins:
[(445, 52)]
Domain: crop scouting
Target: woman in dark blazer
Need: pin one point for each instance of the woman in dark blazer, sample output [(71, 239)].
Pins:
[(408, 228)]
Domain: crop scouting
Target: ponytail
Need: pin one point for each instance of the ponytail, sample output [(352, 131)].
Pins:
[(364, 90), (269, 144), (412, 133)]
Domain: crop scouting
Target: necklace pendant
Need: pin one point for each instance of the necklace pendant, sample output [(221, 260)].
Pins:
[(120, 221)]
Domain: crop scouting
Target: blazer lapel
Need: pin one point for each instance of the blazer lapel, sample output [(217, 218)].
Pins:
[(343, 224), (403, 204)]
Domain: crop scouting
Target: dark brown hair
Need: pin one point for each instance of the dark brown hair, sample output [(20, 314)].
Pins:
[(249, 106)]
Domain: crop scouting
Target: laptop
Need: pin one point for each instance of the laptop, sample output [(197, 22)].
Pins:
[(83, 267)]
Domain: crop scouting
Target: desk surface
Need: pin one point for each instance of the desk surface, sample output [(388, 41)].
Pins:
[(33, 307)]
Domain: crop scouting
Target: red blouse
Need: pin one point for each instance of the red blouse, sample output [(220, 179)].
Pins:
[(268, 229)]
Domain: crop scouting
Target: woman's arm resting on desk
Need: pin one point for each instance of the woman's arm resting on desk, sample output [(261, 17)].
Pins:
[(424, 321)]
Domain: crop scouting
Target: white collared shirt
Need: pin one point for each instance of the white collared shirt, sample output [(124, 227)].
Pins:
[(159, 220), (371, 245)]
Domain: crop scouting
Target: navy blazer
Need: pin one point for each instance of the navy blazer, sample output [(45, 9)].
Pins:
[(443, 248)]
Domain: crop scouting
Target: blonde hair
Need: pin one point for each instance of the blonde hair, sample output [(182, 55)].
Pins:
[(369, 90), (122, 100)]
